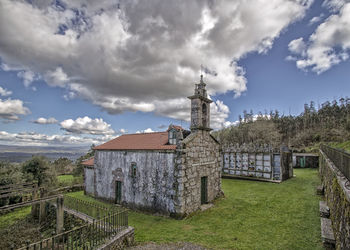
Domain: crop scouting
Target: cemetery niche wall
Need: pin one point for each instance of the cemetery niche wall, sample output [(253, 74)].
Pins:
[(257, 162)]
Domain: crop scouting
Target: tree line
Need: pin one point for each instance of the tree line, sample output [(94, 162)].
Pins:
[(329, 122)]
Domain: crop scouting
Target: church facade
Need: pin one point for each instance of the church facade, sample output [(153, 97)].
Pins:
[(172, 172)]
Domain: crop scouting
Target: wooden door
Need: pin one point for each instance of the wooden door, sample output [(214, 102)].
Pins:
[(118, 192), (204, 190)]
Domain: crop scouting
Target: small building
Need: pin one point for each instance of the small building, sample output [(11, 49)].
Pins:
[(305, 160), (172, 172), (256, 162)]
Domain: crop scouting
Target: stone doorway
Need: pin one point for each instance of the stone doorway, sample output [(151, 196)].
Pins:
[(118, 192)]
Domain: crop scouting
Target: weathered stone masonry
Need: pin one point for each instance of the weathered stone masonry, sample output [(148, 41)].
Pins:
[(199, 157), (338, 200)]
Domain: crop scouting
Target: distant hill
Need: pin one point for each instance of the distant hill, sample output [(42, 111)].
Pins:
[(23, 153)]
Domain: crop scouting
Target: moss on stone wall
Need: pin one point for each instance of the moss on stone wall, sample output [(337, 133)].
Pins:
[(338, 203)]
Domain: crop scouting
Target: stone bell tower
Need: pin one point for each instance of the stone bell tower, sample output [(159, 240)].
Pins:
[(200, 108)]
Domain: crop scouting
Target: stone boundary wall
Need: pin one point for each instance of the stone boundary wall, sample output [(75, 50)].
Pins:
[(122, 240), (337, 195)]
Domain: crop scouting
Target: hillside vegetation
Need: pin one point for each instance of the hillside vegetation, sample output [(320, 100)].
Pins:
[(328, 123)]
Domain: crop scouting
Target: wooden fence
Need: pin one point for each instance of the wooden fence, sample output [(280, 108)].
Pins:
[(18, 189)]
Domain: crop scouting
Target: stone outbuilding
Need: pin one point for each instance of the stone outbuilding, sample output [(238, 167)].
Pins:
[(172, 172)]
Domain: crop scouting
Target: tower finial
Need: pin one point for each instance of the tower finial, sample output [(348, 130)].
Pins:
[(202, 78)]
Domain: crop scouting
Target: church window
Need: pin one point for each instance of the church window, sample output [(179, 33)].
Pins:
[(133, 169)]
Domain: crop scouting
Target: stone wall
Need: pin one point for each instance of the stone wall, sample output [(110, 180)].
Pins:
[(122, 240), (337, 194), (199, 155), (152, 187)]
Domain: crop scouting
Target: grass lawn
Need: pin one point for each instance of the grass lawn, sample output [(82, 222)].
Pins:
[(10, 218), (252, 215), (66, 179)]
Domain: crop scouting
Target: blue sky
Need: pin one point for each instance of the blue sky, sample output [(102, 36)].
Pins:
[(80, 72)]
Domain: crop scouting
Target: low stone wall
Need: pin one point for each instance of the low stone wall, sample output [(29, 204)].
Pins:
[(337, 194), (122, 240)]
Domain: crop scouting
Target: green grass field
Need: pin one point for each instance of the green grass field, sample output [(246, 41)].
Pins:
[(67, 179), (10, 218), (252, 215), (342, 145)]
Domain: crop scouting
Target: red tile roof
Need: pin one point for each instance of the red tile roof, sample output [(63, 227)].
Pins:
[(88, 162), (145, 141)]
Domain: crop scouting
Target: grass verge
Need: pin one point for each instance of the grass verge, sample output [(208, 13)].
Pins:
[(10, 218), (252, 215)]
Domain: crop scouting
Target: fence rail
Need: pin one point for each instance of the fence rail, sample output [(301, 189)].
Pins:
[(89, 236), (18, 189), (340, 159)]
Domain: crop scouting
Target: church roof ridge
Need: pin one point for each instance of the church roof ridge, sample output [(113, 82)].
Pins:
[(138, 141)]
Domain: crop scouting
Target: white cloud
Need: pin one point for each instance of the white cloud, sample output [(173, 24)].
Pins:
[(123, 131), (86, 125), (330, 43), (36, 139), (297, 46), (335, 5), (180, 109), (147, 130), (10, 109), (42, 120), (5, 92), (71, 95), (56, 78), (316, 19), (218, 114), (27, 76), (117, 55), (291, 58)]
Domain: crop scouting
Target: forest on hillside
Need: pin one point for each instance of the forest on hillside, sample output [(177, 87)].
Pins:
[(330, 122)]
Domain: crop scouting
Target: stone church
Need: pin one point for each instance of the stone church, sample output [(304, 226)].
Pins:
[(172, 172)]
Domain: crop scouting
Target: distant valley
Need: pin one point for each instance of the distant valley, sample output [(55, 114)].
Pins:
[(23, 153)]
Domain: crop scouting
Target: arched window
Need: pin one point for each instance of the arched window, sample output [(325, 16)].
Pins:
[(204, 115)]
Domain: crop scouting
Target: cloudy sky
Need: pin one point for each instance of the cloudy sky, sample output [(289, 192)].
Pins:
[(75, 72)]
